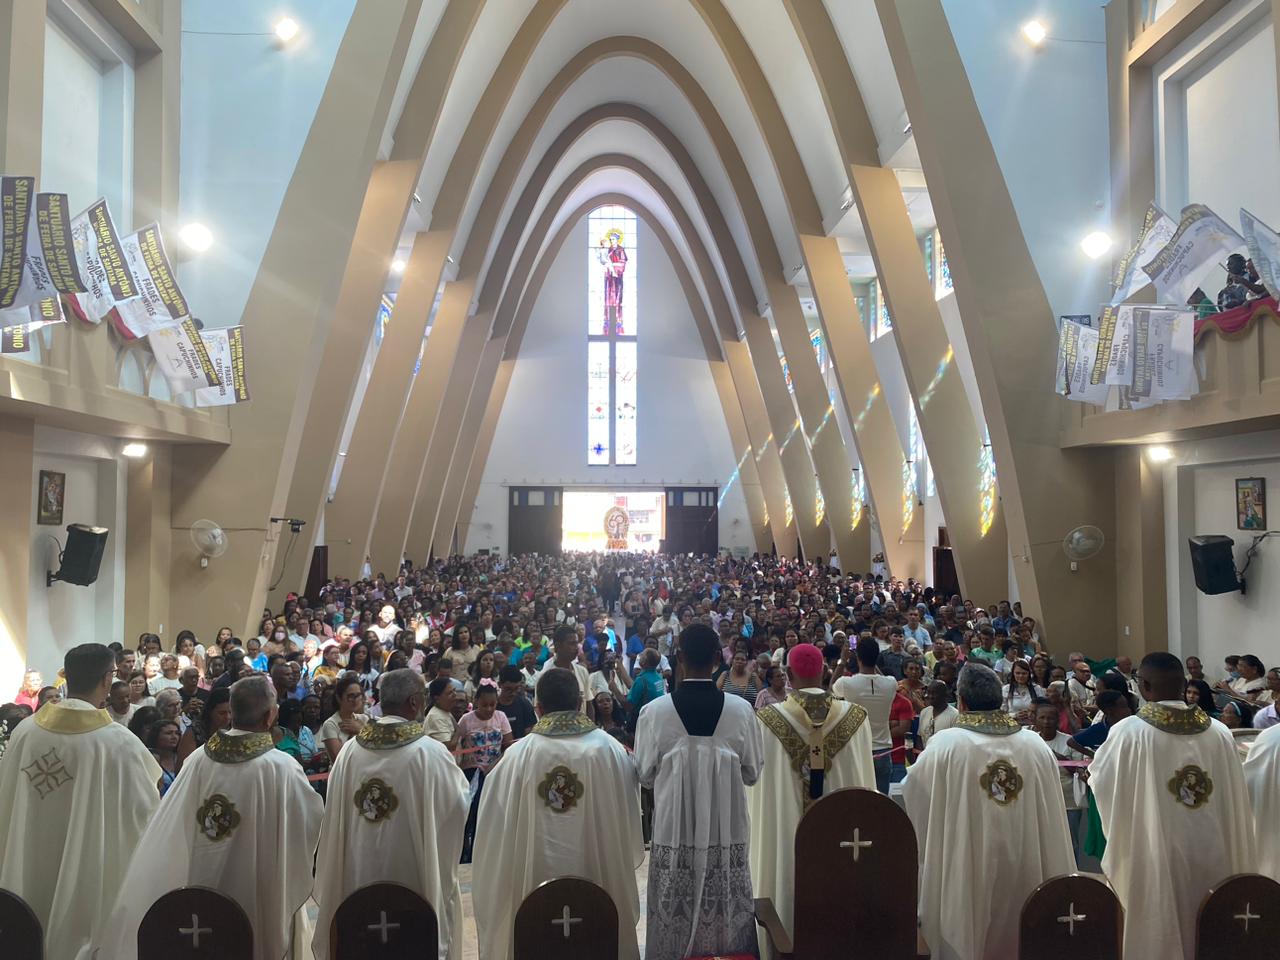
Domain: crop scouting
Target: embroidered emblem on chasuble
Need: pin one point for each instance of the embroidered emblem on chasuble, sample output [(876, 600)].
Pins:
[(217, 817), (561, 789), (375, 800), (46, 773), (1001, 783), (1191, 787), (1171, 720)]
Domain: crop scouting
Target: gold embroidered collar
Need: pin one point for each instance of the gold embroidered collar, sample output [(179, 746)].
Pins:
[(223, 748), (1173, 720), (564, 723), (815, 704), (794, 744), (388, 736), (57, 718), (995, 722)]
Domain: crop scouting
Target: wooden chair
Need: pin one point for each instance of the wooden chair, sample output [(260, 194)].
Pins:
[(1067, 918), (855, 883), (385, 921), (567, 917), (195, 923), (20, 935), (1239, 918)]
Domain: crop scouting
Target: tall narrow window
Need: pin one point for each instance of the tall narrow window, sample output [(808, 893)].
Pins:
[(612, 397)]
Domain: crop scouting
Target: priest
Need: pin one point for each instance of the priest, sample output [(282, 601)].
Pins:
[(1174, 807), (562, 802), (813, 744), (1262, 775), (241, 819), (699, 750), (76, 792), (397, 809), (995, 785)]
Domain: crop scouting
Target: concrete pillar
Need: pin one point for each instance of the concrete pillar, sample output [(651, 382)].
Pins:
[(148, 542), (22, 26), (1142, 616), (17, 490)]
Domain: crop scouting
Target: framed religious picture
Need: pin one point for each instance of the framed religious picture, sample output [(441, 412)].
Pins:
[(1251, 503), (53, 492)]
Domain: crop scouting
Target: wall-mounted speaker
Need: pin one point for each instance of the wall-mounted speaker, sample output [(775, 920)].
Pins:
[(82, 555), (1213, 564)]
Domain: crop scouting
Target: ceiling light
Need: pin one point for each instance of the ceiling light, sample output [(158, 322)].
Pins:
[(398, 265), (1159, 454), (286, 29), (1096, 244), (134, 449), (196, 237), (1034, 31)]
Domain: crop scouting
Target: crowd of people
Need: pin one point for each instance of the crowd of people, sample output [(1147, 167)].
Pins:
[(659, 656)]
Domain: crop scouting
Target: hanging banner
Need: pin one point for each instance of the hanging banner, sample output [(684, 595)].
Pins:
[(1157, 230), (103, 269), (1118, 358), (182, 358), (1077, 351), (50, 267), (1202, 238), (15, 217), (18, 323), (1163, 349), (1264, 250), (226, 352), (160, 302), (1106, 336)]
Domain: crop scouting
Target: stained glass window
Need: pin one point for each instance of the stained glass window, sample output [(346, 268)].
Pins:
[(942, 283), (884, 323), (612, 398), (929, 256)]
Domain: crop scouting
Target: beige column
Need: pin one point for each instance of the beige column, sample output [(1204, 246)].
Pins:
[(1142, 615), (348, 519), (17, 490), (157, 118), (148, 542), (22, 26), (1008, 325), (745, 477), (289, 313)]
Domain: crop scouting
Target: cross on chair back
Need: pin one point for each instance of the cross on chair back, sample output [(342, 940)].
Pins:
[(1239, 918), (855, 882), (195, 923), (384, 921), (567, 917), (20, 935), (1070, 917)]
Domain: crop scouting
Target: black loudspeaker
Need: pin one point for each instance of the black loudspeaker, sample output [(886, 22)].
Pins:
[(82, 555), (1213, 564)]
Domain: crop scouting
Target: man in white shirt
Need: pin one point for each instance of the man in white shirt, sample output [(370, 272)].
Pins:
[(565, 656), (119, 709), (1124, 667), (874, 693), (939, 715), (386, 628), (402, 589), (666, 628), (1080, 687)]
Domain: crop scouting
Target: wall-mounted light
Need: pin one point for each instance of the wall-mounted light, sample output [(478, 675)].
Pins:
[(1159, 454), (196, 237), (398, 266), (1096, 244), (1034, 32), (286, 29), (134, 450)]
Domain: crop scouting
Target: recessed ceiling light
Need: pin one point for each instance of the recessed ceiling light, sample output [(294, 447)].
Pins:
[(1096, 244), (1159, 454), (196, 237), (286, 29), (398, 265), (1035, 33), (134, 449)]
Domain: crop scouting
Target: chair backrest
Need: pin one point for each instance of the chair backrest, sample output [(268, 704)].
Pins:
[(1240, 917), (568, 917), (195, 923), (385, 921), (856, 878), (1067, 918), (20, 935)]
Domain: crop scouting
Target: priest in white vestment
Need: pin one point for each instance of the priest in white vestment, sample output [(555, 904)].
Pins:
[(1262, 776), (699, 750), (76, 792), (810, 724), (1175, 810), (398, 805), (563, 801), (987, 806), (241, 819)]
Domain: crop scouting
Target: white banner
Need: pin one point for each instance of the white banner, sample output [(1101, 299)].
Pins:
[(50, 267), (1157, 230), (16, 197), (1077, 352), (182, 357), (226, 352), (1119, 357), (1163, 348), (1264, 250), (1202, 239), (18, 323), (160, 302), (102, 265)]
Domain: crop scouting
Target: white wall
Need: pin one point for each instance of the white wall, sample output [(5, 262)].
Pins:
[(541, 436), (61, 616)]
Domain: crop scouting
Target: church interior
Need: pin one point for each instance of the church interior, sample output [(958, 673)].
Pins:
[(807, 379)]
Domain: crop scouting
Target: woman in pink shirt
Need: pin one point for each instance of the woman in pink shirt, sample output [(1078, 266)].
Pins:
[(483, 734)]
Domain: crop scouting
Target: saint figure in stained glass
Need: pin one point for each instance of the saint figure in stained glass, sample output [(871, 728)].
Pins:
[(613, 257)]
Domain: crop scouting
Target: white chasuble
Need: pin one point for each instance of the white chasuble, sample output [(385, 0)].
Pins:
[(240, 819), (986, 803), (1262, 775), (562, 802), (397, 807), (1172, 799), (781, 796), (699, 899), (76, 792)]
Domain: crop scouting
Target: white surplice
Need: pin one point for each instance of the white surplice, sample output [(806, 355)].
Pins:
[(240, 819), (397, 810), (1173, 804), (986, 803), (699, 895), (563, 801), (1262, 776), (76, 792), (780, 797)]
